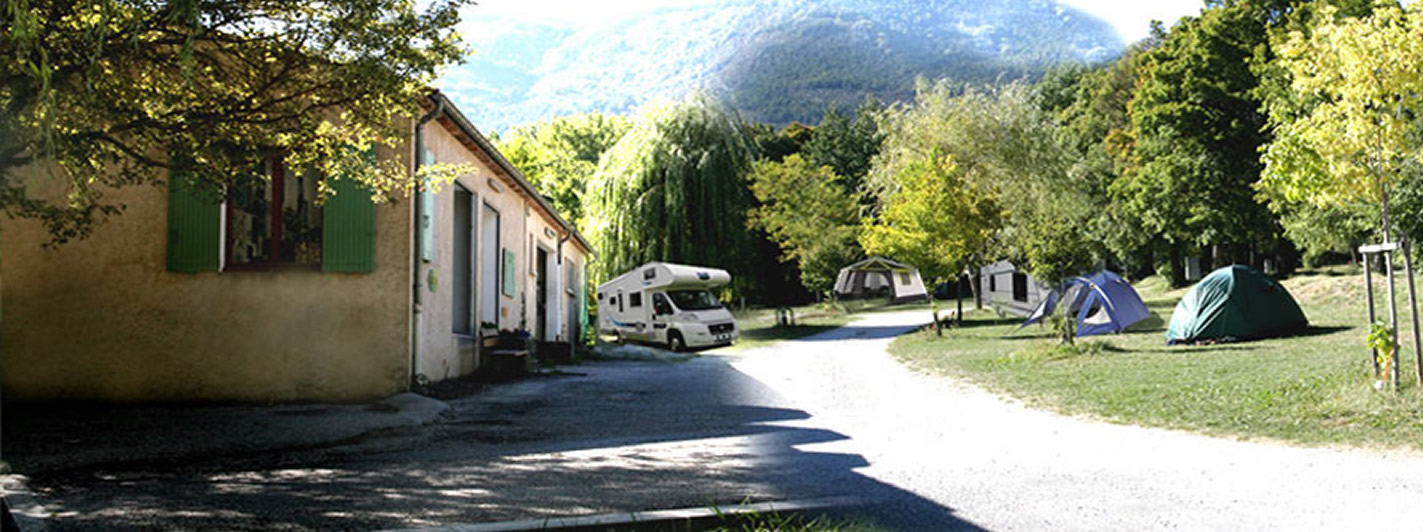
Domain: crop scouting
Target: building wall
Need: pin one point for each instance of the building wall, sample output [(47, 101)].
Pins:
[(102, 318), (996, 285), (442, 353)]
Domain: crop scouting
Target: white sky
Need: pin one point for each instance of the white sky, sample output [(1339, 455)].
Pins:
[(1131, 18)]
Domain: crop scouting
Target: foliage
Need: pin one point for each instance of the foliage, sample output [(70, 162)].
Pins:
[(674, 188), (1008, 161), (847, 145), (1319, 231), (1195, 131), (936, 220), (561, 155), (1384, 342), (97, 94), (1354, 131), (807, 212)]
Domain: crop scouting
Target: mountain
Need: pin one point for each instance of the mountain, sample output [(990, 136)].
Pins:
[(775, 61)]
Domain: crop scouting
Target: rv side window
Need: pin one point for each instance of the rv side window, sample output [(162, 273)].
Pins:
[(992, 283), (620, 303), (904, 278), (650, 273), (660, 304), (1020, 286), (635, 300)]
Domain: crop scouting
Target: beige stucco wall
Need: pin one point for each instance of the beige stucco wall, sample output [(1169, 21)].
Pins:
[(103, 319), (441, 353)]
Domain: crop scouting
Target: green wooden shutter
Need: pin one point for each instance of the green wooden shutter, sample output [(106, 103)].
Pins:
[(508, 273), (194, 226), (348, 228)]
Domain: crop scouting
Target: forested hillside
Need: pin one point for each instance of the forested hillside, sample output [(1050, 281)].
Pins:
[(773, 61)]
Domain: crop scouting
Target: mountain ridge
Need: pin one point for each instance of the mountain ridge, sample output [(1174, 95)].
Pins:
[(774, 61)]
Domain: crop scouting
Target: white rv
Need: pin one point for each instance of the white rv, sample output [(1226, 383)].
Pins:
[(666, 304)]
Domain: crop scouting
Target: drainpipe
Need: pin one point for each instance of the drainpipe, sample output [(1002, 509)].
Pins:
[(415, 250), (563, 312)]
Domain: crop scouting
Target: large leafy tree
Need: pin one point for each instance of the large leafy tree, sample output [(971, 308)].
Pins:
[(1196, 131), (100, 94), (1006, 154), (846, 144), (1356, 129), (674, 188), (805, 209), (560, 156), (1093, 125), (938, 219)]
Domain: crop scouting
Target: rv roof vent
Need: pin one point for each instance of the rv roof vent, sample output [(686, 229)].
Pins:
[(703, 276)]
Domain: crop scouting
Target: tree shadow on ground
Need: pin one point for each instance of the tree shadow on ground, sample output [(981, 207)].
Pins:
[(630, 437)]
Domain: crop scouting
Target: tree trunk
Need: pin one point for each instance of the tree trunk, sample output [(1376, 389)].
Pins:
[(958, 291), (1178, 270)]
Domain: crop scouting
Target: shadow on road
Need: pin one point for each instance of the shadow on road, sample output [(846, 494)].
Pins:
[(632, 436), (859, 332)]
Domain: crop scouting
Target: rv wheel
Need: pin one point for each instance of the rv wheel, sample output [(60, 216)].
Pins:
[(674, 342)]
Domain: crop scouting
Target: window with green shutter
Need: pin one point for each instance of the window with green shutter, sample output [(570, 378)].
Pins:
[(194, 226)]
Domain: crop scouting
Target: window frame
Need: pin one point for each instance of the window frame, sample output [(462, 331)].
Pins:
[(275, 168)]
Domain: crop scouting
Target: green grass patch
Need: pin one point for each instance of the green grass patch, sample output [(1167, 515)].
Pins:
[(759, 327), (1315, 388)]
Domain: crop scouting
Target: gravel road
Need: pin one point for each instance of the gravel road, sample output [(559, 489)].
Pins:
[(832, 415), (1002, 466)]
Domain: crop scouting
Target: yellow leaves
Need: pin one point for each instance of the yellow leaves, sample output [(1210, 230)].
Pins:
[(1364, 73)]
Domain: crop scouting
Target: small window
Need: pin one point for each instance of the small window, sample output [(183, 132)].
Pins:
[(619, 301), (992, 283), (1020, 287), (904, 278), (635, 300), (650, 273)]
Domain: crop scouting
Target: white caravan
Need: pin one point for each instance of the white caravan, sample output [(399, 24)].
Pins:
[(666, 304)]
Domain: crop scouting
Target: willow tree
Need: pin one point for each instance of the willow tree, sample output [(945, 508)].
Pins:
[(674, 188)]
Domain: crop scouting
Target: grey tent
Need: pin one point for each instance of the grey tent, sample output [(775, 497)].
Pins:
[(880, 277), (1101, 303)]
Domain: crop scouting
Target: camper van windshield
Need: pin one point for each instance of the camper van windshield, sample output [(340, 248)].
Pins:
[(694, 299)]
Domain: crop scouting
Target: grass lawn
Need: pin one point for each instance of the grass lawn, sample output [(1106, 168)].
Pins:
[(759, 328), (1314, 388)]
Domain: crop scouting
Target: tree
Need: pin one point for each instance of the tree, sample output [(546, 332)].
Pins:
[(674, 189), (847, 145), (1357, 131), (560, 156), (102, 94), (807, 212), (1197, 128)]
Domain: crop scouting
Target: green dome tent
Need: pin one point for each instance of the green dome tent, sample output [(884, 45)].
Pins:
[(1235, 303)]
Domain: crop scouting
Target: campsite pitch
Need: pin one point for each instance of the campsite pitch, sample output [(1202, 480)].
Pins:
[(1314, 388)]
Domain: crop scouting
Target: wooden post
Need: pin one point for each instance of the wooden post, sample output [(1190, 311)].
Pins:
[(1413, 307), (1369, 291)]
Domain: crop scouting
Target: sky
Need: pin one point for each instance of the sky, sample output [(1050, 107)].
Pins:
[(1131, 18)]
